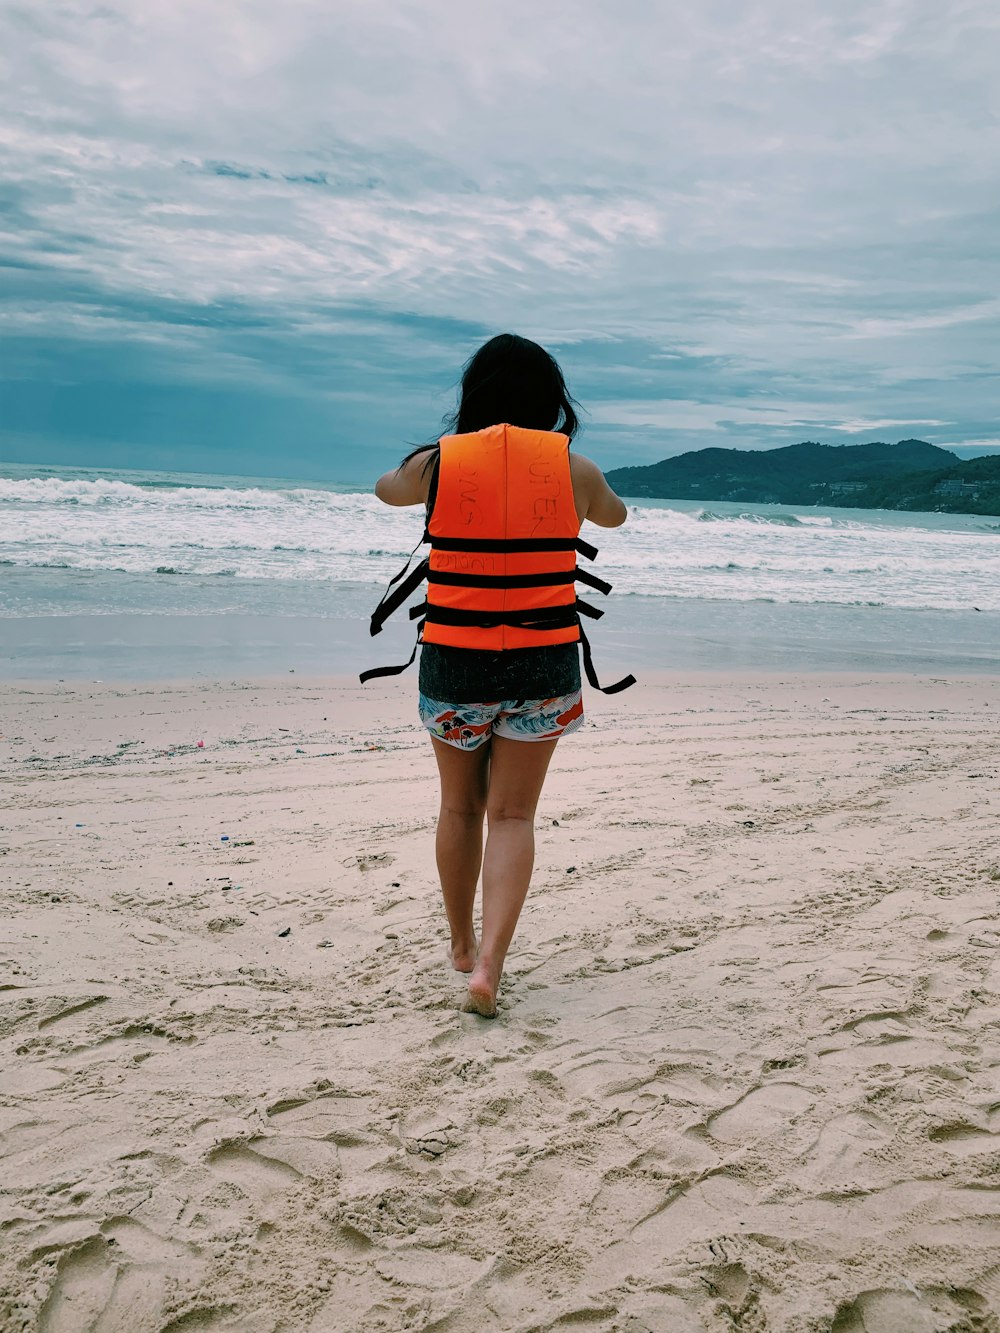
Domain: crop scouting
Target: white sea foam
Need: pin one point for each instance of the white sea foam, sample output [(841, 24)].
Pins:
[(305, 534)]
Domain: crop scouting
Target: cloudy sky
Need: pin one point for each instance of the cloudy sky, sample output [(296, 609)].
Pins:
[(259, 238)]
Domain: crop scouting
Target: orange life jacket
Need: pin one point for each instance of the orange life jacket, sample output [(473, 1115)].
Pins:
[(504, 536)]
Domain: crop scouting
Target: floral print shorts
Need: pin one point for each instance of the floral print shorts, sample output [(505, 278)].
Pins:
[(467, 726)]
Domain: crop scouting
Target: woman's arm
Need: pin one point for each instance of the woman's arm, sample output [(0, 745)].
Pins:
[(408, 483), (595, 500)]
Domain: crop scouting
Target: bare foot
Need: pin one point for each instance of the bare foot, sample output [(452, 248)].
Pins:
[(482, 997), (463, 959)]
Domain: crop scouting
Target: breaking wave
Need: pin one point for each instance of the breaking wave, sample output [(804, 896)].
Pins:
[(322, 537)]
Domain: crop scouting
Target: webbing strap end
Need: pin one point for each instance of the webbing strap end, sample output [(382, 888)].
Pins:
[(374, 672), (588, 666)]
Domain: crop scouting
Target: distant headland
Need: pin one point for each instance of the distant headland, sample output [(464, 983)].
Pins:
[(911, 474)]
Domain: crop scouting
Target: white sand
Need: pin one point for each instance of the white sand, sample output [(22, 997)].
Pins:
[(745, 1077)]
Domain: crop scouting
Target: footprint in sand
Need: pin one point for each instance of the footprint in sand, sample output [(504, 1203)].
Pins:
[(884, 1025), (24, 1080), (964, 1139), (663, 1314), (342, 1126), (145, 1246), (434, 1268), (638, 1108), (881, 1036), (763, 1111), (131, 1041), (370, 860), (59, 1008), (624, 1200), (888, 1310), (92, 1291), (843, 1141), (205, 1319), (732, 1285), (686, 1213), (259, 1176)]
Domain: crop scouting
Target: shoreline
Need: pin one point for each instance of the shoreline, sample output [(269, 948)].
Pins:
[(656, 679), (642, 635)]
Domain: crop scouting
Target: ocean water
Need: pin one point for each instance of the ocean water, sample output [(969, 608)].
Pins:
[(131, 533), (78, 542)]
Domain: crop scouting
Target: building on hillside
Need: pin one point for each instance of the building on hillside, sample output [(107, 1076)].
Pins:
[(967, 489)]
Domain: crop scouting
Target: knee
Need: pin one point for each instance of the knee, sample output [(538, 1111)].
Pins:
[(468, 811), (508, 812)]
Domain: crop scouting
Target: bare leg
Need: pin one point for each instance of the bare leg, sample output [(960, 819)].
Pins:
[(517, 771), (459, 843)]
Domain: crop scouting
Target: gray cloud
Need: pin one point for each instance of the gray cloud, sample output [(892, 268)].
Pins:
[(741, 223)]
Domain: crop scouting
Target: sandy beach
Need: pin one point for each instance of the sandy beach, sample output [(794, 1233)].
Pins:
[(745, 1075)]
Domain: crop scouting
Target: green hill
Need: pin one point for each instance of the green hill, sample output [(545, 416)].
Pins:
[(911, 474)]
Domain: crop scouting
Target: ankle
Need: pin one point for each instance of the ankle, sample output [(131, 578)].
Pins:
[(487, 965)]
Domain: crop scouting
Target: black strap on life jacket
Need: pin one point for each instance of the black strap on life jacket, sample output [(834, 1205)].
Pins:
[(519, 544), (457, 579), (592, 581), (540, 618), (372, 672), (588, 666), (392, 601)]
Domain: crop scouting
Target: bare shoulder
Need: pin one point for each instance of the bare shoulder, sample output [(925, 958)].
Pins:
[(409, 483), (595, 500), (583, 468)]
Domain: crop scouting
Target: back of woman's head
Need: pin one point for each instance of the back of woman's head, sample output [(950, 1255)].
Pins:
[(513, 380)]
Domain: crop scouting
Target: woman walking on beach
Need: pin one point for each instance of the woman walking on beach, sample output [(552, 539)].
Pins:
[(499, 667)]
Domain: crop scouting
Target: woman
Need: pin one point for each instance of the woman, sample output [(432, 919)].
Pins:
[(499, 668)]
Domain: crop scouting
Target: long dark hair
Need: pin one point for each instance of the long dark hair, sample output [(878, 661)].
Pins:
[(513, 380)]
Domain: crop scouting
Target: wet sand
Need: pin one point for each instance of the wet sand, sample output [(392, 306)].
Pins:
[(639, 634), (745, 1073)]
